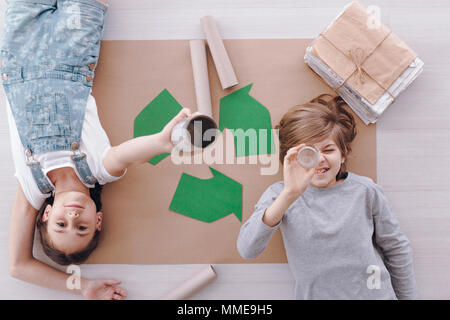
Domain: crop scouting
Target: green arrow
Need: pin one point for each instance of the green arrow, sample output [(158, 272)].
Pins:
[(239, 110), (208, 200), (155, 116)]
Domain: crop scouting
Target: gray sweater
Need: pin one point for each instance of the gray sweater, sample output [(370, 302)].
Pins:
[(342, 242)]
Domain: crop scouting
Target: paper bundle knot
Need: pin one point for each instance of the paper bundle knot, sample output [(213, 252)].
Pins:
[(358, 56), (369, 59)]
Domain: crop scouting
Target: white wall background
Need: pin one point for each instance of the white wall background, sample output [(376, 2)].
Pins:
[(413, 139)]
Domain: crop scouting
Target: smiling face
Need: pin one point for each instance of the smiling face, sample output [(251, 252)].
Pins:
[(330, 161), (326, 124), (71, 221)]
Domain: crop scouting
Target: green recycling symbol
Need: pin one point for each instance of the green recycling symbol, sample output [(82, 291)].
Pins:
[(209, 200)]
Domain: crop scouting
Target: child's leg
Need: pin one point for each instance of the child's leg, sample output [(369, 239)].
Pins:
[(77, 32), (26, 36), (57, 43)]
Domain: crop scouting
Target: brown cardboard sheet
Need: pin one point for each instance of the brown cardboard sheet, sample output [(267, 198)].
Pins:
[(138, 227)]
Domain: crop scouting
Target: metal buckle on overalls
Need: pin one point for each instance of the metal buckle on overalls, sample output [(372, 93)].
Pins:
[(31, 161), (77, 154)]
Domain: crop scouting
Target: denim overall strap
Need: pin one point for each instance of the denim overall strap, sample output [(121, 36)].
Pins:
[(40, 178), (81, 165), (79, 159)]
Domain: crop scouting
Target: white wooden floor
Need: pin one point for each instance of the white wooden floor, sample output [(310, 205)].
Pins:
[(413, 139)]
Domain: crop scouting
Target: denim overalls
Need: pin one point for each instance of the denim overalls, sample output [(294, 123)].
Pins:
[(49, 52)]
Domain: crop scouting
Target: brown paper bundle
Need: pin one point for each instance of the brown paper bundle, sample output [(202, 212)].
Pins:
[(368, 59)]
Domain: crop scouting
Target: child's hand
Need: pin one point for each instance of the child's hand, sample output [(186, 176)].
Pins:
[(296, 178), (166, 133), (103, 289)]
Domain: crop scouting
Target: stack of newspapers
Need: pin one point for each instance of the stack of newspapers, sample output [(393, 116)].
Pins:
[(369, 113), (350, 29)]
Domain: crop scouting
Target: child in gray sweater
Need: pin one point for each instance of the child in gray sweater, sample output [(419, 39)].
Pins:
[(341, 237)]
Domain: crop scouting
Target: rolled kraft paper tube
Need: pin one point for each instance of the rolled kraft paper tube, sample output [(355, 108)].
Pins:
[(222, 62), (194, 284), (201, 81), (194, 133), (308, 157)]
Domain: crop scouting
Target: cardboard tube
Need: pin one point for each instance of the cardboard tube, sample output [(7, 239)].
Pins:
[(194, 284), (201, 81), (308, 157), (222, 62)]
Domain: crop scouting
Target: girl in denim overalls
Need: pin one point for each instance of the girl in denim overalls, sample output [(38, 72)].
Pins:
[(62, 155)]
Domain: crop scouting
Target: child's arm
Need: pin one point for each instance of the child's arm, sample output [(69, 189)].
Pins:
[(24, 266), (257, 231), (296, 179), (141, 149), (394, 246), (255, 234)]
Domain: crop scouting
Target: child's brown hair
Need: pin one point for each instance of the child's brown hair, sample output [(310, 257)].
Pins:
[(324, 116)]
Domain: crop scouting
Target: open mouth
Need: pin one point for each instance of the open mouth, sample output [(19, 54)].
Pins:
[(322, 170)]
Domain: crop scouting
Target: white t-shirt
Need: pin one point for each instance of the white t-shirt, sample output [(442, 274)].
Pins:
[(94, 143)]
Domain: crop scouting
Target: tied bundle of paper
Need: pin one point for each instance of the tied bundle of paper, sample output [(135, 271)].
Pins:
[(363, 61)]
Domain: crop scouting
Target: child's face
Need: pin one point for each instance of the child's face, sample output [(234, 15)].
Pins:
[(72, 221), (330, 160)]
